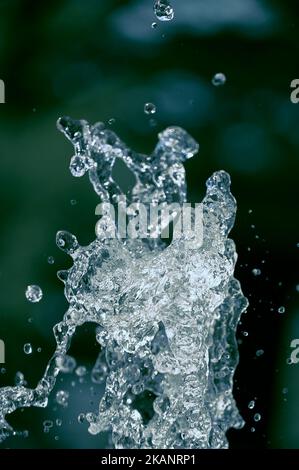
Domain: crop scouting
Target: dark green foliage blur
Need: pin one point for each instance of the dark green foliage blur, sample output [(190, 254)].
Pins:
[(101, 59)]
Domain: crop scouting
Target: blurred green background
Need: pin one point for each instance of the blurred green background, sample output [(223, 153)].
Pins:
[(101, 59)]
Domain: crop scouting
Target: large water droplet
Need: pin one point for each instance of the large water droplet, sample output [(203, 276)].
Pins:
[(27, 348), (149, 108), (66, 241), (33, 293), (77, 166), (163, 10), (219, 79)]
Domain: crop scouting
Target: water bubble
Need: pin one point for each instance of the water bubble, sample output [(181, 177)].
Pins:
[(285, 391), (62, 397), (163, 10), (219, 79), (81, 418), (48, 423), (251, 404), (252, 429), (297, 288), (73, 202), (81, 371), (257, 417), (51, 260), (39, 350), (33, 293), (27, 348), (153, 122), (259, 352), (281, 309), (66, 364), (3, 370), (245, 333), (154, 25), (58, 422), (256, 272), (111, 121), (149, 108)]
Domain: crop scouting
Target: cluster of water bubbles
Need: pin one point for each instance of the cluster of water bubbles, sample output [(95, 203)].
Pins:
[(165, 314)]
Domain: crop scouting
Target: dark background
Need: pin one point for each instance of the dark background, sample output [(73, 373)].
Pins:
[(100, 59)]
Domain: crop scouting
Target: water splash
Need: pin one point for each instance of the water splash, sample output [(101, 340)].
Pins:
[(166, 316)]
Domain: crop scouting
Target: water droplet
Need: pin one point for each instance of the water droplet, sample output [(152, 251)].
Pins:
[(281, 310), (219, 79), (163, 10), (66, 241), (48, 423), (257, 417), (33, 293), (51, 260), (77, 166), (20, 379), (251, 404), (27, 348), (149, 108), (81, 371), (62, 397), (256, 272), (259, 352)]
